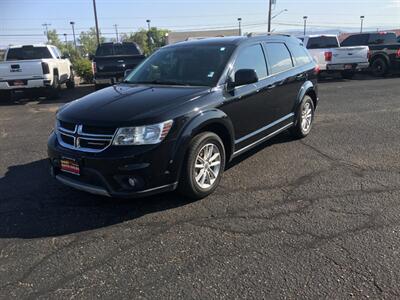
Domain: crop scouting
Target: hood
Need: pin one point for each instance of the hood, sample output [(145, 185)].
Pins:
[(127, 103)]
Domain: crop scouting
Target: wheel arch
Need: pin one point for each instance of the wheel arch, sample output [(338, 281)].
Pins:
[(382, 55)]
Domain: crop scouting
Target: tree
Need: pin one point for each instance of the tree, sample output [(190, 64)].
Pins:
[(88, 41), (53, 39), (148, 41)]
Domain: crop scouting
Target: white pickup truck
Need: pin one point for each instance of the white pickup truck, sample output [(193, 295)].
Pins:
[(330, 57), (38, 70)]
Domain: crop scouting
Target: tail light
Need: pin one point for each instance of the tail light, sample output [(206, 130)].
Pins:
[(94, 70), (317, 69), (328, 56), (45, 68), (369, 54), (398, 53)]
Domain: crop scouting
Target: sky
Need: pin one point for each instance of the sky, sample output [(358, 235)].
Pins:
[(21, 20)]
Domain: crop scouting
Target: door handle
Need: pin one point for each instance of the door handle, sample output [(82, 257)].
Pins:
[(301, 76)]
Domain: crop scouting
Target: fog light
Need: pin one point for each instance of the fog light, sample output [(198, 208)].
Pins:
[(132, 182)]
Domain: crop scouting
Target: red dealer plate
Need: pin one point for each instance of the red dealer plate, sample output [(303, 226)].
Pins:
[(70, 166)]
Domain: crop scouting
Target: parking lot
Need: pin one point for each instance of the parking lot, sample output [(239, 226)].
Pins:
[(312, 218)]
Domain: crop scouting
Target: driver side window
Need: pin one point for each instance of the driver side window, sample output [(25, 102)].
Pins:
[(251, 57)]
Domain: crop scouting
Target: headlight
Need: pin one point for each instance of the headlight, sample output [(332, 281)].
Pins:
[(143, 135)]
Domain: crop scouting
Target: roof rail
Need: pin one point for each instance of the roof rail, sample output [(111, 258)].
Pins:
[(251, 34)]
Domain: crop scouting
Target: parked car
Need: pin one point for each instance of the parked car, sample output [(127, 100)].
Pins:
[(384, 47), (331, 57), (112, 60), (38, 70), (183, 114)]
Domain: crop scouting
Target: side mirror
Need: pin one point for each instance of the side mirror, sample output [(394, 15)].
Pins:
[(65, 56), (245, 76), (91, 56), (127, 72)]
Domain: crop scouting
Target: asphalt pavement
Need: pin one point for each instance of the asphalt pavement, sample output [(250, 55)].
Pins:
[(313, 218)]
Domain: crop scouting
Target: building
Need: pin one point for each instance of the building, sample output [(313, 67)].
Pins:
[(175, 37)]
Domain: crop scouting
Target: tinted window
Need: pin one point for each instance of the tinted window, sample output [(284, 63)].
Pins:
[(117, 49), (252, 57), (25, 53), (381, 38), (184, 65), (355, 40), (322, 42), (279, 58), (300, 55)]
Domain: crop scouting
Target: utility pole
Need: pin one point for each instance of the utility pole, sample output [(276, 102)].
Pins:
[(270, 15), (362, 23), (73, 32), (305, 24), (97, 23), (240, 26), (116, 31), (65, 37), (46, 26)]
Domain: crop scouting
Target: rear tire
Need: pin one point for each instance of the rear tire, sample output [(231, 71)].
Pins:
[(348, 74), (71, 81), (203, 166), (55, 88), (305, 118), (379, 67)]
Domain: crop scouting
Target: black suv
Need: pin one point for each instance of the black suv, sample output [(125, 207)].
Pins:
[(183, 114)]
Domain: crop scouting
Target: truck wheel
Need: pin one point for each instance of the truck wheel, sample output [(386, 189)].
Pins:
[(379, 67), (348, 74), (71, 81), (203, 166), (5, 96), (54, 92), (305, 118)]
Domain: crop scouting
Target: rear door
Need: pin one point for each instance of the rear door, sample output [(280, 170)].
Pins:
[(284, 81)]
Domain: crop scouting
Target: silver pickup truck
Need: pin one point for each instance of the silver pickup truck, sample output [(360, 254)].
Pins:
[(331, 57), (38, 70)]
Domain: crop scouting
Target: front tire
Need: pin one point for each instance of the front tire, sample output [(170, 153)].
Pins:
[(305, 118), (203, 166)]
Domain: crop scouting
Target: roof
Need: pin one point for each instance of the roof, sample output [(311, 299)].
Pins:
[(317, 35), (231, 40), (34, 45)]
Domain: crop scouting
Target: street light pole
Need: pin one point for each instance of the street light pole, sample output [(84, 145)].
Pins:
[(65, 37), (73, 32), (148, 24), (240, 26), (362, 23), (116, 31), (269, 15), (97, 24), (305, 24)]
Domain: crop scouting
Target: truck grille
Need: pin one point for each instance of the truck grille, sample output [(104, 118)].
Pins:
[(84, 138)]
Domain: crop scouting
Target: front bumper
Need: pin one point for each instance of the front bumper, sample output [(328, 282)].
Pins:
[(347, 67), (108, 173)]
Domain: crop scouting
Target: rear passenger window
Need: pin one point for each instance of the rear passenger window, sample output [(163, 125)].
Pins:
[(355, 40), (279, 58), (252, 57), (300, 55)]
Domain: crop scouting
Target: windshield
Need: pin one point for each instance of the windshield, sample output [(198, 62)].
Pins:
[(25, 53), (197, 65)]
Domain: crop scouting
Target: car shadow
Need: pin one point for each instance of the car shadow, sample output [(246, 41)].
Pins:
[(35, 205), (66, 95)]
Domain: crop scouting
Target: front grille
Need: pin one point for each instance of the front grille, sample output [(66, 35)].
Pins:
[(84, 138)]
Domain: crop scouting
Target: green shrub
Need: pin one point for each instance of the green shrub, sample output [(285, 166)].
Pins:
[(83, 68)]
